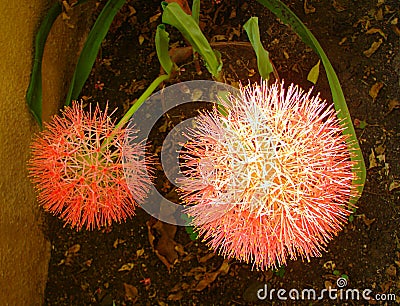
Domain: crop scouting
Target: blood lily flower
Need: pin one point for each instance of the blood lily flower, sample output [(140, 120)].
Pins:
[(76, 167), (271, 178)]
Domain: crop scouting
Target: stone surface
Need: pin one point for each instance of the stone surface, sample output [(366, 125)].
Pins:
[(24, 251)]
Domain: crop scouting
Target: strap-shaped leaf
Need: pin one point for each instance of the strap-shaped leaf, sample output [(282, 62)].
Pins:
[(162, 48), (91, 48), (196, 10), (253, 32), (175, 16), (34, 92), (290, 18)]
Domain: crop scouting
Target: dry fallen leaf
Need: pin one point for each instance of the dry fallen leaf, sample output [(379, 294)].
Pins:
[(380, 149), (234, 32), (117, 242), (374, 46), (338, 7), (328, 284), (132, 10), (342, 41), (73, 250), (394, 185), (382, 158), (386, 286), (195, 271), (131, 293), (367, 221), (70, 254), (308, 8), (391, 271), (206, 281), (188, 257), (210, 277), (178, 291), (329, 265), (165, 247), (372, 160), (67, 6), (180, 55), (395, 29), (206, 257), (141, 39), (379, 14), (166, 244), (126, 267), (374, 90), (376, 30), (393, 104), (139, 253), (164, 127), (175, 296), (154, 18), (219, 37)]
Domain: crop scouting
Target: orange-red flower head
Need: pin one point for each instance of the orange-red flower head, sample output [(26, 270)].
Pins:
[(269, 180), (77, 169)]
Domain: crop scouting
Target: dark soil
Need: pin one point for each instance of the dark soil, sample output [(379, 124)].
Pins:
[(85, 267)]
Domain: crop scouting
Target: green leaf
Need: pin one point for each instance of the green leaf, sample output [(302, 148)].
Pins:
[(336, 272), (34, 92), (288, 17), (196, 10), (280, 271), (314, 73), (189, 229), (192, 234), (263, 62), (175, 16), (91, 48), (223, 96), (362, 124), (162, 48)]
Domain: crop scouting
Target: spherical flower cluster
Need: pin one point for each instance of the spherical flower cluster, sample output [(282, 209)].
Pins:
[(271, 178), (76, 167)]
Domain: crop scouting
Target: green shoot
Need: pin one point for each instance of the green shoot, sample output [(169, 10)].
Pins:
[(175, 16), (253, 32), (91, 48)]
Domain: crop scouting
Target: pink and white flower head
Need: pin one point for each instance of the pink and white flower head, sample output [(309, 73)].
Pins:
[(76, 166), (269, 180)]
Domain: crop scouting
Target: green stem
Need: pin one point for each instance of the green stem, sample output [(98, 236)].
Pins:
[(136, 106), (142, 99)]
